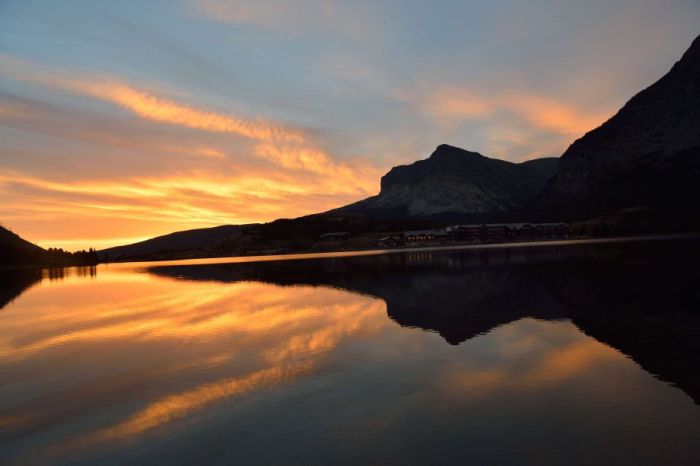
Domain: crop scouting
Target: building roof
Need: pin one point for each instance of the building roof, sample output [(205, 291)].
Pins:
[(425, 233), (507, 225), (334, 234)]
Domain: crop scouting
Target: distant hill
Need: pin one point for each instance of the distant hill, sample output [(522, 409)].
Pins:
[(456, 181), (15, 250), (647, 155), (200, 238)]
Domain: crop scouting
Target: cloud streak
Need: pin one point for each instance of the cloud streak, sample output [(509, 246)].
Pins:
[(512, 119), (154, 108), (278, 171), (336, 17)]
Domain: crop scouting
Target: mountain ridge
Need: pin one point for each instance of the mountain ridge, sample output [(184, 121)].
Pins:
[(16, 251), (457, 181), (647, 154)]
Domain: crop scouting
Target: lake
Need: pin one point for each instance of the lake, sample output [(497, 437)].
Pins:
[(578, 354)]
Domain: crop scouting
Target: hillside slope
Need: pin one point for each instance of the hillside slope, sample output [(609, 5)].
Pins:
[(178, 241), (15, 250)]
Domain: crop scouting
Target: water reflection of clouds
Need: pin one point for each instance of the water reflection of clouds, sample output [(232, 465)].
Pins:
[(237, 339), (89, 364), (527, 354)]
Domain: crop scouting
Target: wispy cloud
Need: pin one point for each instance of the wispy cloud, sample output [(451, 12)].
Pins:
[(518, 124), (149, 106), (274, 171), (347, 19)]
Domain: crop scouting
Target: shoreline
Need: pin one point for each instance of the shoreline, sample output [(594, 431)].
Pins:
[(362, 252), (398, 250)]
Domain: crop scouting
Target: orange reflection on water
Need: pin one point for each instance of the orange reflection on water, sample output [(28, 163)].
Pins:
[(175, 406), (102, 363), (532, 354), (209, 341)]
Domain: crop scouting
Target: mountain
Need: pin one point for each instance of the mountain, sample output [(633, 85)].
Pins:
[(647, 155), (15, 250), (200, 238), (456, 181)]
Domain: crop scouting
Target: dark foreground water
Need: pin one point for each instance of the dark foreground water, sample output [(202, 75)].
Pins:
[(584, 354)]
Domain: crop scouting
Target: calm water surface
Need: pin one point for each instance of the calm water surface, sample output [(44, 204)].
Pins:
[(571, 354)]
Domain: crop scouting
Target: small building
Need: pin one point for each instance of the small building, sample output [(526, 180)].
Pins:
[(528, 231), (502, 232), (554, 230), (424, 235), (335, 236), (466, 232), (391, 241)]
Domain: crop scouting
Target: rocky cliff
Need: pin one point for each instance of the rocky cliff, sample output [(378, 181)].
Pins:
[(454, 180), (647, 155)]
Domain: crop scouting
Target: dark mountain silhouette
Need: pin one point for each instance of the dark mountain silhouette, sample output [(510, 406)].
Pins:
[(200, 238), (281, 235), (647, 155), (15, 251), (456, 181), (639, 297)]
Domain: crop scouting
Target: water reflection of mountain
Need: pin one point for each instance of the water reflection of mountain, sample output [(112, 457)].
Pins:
[(15, 282), (641, 298)]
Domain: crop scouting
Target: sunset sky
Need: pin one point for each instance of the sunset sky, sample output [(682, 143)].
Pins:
[(122, 120)]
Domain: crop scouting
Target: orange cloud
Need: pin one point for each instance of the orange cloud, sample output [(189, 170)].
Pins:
[(456, 104), (550, 114), (155, 108), (287, 147), (10, 111), (282, 172), (142, 207), (351, 20), (516, 125)]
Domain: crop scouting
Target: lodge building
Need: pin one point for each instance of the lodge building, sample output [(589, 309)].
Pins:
[(491, 233)]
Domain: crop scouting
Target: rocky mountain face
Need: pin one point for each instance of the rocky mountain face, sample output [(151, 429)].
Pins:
[(456, 181), (647, 155)]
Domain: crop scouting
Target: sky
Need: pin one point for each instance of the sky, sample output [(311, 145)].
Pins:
[(125, 120)]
